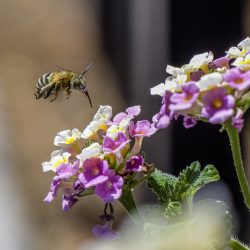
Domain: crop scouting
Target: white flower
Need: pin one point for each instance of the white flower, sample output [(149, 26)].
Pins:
[(210, 80), (234, 52), (159, 89), (240, 51), (67, 137), (242, 63), (174, 71), (57, 158), (114, 129), (94, 150), (90, 132), (103, 113), (198, 61), (245, 44)]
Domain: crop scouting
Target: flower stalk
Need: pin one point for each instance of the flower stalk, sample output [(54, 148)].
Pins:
[(238, 163), (128, 202)]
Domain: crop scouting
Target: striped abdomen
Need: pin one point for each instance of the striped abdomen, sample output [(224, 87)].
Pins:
[(42, 82)]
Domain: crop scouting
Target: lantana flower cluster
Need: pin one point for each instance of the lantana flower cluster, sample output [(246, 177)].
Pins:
[(104, 160), (207, 89)]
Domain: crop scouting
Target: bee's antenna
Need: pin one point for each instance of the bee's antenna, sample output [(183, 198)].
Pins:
[(86, 70)]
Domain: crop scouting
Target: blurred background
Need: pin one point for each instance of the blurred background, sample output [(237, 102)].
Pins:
[(130, 43)]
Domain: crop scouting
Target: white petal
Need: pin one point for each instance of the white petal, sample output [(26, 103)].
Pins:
[(94, 150), (158, 90), (234, 52), (92, 128), (198, 60), (76, 134), (46, 166), (170, 85), (210, 80), (244, 44), (180, 79), (174, 71), (104, 112)]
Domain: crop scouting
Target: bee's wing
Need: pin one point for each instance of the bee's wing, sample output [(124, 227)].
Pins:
[(86, 70)]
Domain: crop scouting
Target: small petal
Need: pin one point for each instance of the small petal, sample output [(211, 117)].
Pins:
[(103, 113), (105, 232), (135, 163), (238, 121), (68, 202), (189, 122)]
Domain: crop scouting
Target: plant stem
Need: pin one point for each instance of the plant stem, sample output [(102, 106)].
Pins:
[(237, 245), (127, 200), (238, 163)]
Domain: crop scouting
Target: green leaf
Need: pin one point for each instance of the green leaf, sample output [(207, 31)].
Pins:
[(187, 178), (173, 208), (158, 181), (169, 188), (192, 179)]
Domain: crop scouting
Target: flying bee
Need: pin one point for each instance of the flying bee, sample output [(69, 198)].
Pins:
[(67, 80)]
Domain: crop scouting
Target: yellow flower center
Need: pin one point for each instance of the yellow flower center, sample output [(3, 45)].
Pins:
[(70, 140), (217, 103), (109, 184), (188, 97), (95, 171), (238, 81)]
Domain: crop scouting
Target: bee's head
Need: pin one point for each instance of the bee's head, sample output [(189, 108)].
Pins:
[(78, 83)]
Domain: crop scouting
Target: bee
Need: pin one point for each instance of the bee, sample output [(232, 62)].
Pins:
[(67, 80)]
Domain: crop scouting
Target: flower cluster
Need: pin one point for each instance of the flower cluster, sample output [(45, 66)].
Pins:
[(207, 89), (104, 159)]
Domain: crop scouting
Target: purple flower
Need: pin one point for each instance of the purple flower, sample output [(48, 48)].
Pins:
[(141, 129), (131, 112), (218, 105), (220, 63), (163, 118), (237, 120), (111, 189), (189, 122), (105, 232), (135, 164), (68, 201), (237, 80), (53, 189), (66, 170), (115, 145), (186, 99), (94, 172)]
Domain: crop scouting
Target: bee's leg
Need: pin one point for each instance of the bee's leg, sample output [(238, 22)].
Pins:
[(68, 92), (57, 89), (47, 93), (38, 95)]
